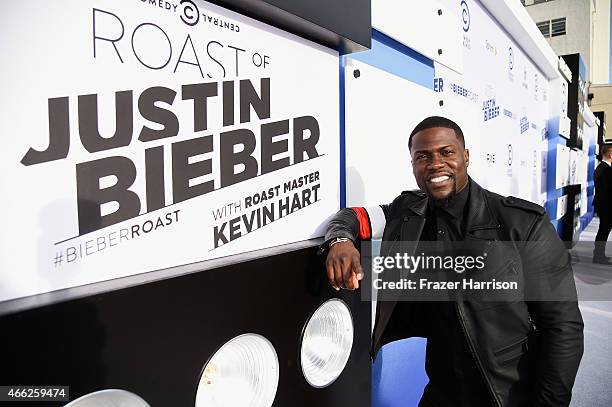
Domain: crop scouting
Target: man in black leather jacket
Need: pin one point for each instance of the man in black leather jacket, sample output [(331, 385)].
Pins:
[(522, 351)]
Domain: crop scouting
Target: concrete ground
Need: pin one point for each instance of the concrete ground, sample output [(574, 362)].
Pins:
[(593, 387)]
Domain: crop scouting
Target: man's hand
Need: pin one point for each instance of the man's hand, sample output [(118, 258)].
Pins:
[(344, 266)]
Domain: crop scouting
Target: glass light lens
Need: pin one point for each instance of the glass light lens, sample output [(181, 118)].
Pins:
[(243, 373), (326, 343), (109, 398)]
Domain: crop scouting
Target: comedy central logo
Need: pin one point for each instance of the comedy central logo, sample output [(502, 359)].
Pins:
[(465, 16), (190, 14), (510, 155), (510, 58), (510, 64)]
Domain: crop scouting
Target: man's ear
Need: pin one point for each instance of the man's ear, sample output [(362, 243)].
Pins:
[(466, 156)]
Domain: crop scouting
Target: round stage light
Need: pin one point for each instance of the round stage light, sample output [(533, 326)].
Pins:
[(243, 373), (326, 343), (109, 398)]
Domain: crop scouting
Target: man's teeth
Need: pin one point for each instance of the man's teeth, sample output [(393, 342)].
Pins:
[(439, 179)]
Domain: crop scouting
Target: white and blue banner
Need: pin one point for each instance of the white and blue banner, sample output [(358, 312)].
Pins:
[(512, 95)]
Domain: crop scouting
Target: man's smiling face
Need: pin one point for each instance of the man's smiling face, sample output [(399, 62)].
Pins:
[(439, 162)]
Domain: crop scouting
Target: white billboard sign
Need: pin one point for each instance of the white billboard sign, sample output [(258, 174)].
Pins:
[(141, 135)]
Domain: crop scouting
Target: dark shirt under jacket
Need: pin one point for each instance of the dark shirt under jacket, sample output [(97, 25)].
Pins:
[(454, 379)]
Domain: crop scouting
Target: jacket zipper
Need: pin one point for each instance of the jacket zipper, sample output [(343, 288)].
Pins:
[(509, 347), (475, 355)]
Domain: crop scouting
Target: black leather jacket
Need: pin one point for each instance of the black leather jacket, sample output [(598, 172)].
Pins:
[(527, 349)]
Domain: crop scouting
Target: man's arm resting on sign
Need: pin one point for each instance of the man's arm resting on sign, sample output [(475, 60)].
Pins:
[(343, 262)]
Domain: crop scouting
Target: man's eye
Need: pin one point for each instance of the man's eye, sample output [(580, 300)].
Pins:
[(447, 152), (421, 156)]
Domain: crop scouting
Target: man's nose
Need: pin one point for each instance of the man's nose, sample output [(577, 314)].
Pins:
[(435, 163)]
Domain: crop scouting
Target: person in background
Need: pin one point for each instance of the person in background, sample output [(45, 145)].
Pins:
[(602, 203)]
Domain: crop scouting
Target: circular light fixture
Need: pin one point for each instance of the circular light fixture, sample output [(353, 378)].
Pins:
[(109, 398), (327, 341), (242, 373)]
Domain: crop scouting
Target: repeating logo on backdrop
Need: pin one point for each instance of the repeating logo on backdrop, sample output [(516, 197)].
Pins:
[(510, 155), (490, 109), (491, 48), (544, 131), (510, 58), (465, 21), (564, 98), (524, 122), (465, 16), (462, 91), (534, 171), (510, 64)]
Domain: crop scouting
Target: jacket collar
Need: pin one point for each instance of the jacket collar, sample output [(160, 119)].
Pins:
[(479, 215)]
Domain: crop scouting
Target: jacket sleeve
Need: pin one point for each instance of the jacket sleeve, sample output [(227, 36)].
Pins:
[(553, 306), (352, 223)]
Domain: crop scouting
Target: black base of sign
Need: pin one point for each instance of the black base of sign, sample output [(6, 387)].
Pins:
[(154, 339)]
